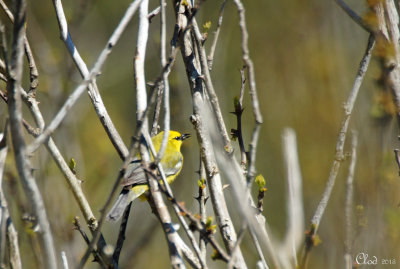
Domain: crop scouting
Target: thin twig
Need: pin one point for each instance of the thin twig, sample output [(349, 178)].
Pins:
[(8, 233), (202, 200), (121, 235), (96, 254), (210, 57), (71, 100), (163, 60), (238, 106), (155, 12), (155, 126), (348, 108), (349, 202), (202, 58), (34, 74), (248, 62), (237, 244), (354, 16)]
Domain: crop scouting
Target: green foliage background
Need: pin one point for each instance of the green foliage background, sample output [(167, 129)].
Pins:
[(306, 54)]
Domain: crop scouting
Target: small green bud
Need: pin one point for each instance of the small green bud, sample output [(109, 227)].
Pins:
[(260, 181)]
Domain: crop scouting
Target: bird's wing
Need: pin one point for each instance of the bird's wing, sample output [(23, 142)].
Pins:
[(125, 197), (135, 174), (172, 165)]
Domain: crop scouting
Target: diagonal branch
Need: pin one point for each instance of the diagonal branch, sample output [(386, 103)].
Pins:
[(94, 94), (71, 100), (348, 108), (354, 16)]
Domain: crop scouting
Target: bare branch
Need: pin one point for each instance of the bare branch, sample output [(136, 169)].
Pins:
[(353, 15), (238, 106), (210, 57), (22, 162), (71, 100), (248, 62), (94, 94), (202, 199), (348, 108), (198, 225), (202, 58), (295, 230), (349, 201), (34, 74), (121, 235), (193, 64), (177, 208), (96, 254), (163, 37), (8, 233)]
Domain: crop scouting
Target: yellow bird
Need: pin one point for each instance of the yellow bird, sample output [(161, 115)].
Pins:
[(135, 182)]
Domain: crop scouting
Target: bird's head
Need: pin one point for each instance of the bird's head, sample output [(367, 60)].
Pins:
[(176, 138)]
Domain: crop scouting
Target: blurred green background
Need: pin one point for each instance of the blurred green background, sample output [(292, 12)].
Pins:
[(306, 55)]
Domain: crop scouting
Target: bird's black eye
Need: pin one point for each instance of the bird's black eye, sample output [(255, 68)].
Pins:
[(177, 138)]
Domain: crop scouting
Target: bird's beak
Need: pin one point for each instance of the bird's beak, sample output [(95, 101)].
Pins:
[(185, 136)]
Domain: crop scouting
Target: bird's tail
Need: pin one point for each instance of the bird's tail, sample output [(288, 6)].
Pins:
[(125, 197)]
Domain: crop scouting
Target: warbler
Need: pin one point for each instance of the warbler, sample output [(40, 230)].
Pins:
[(135, 182)]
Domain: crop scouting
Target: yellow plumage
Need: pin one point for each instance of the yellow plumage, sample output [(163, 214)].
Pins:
[(135, 182)]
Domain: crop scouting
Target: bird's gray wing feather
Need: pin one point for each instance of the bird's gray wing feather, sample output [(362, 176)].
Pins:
[(135, 174)]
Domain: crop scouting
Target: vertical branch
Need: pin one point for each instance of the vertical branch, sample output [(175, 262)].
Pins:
[(162, 213), (178, 211), (121, 235), (196, 66), (253, 92), (294, 233), (202, 199), (163, 49), (238, 105), (248, 62), (206, 77), (349, 201), (64, 260), (160, 209), (157, 109), (22, 162), (8, 234), (348, 108), (33, 71), (163, 37), (210, 57), (140, 55)]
